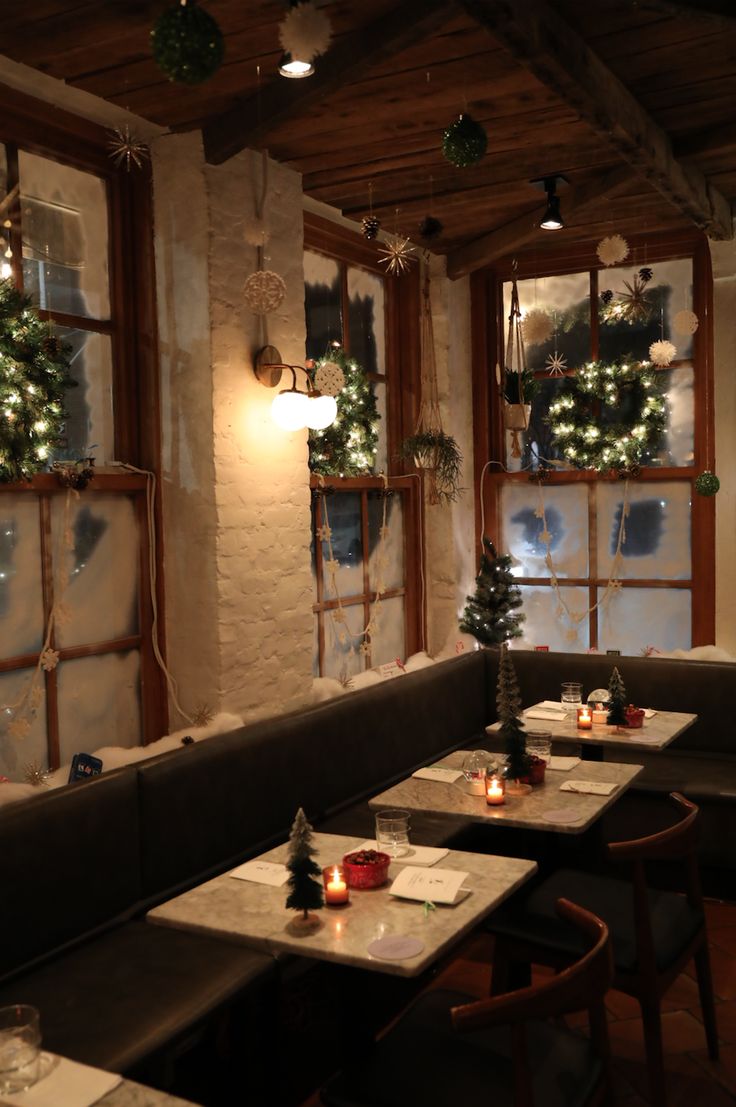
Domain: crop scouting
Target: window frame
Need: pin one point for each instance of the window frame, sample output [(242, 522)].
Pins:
[(488, 333)]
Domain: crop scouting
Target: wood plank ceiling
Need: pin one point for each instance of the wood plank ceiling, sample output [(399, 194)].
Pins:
[(632, 100)]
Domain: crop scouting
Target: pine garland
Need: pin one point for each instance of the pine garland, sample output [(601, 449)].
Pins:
[(491, 615), (34, 376), (348, 447)]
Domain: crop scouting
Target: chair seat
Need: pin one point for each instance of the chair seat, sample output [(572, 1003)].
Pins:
[(533, 918), (423, 1061), (115, 1001)]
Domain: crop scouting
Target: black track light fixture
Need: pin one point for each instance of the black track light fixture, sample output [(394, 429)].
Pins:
[(552, 219)]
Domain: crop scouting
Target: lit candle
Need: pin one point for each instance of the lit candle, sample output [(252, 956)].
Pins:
[(600, 715), (585, 719), (495, 791), (336, 888)]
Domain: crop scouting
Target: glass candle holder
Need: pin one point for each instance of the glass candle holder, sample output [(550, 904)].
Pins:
[(337, 893), (585, 718), (600, 715), (495, 791)]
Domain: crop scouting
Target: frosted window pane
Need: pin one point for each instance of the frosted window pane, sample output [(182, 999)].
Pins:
[(669, 291), (64, 225), (635, 618), (543, 628), (343, 511), (566, 299), (338, 660), (676, 446), (15, 752), (536, 441), (103, 568), (388, 641), (657, 530), (366, 315), (21, 607), (89, 427), (99, 703), (322, 303), (391, 573), (566, 511)]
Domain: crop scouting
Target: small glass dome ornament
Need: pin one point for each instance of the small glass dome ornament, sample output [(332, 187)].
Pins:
[(598, 695), (476, 766)]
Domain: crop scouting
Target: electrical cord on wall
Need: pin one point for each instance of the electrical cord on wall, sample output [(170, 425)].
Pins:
[(422, 601)]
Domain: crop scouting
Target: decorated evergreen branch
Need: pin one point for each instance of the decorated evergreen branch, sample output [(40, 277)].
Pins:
[(438, 454), (34, 376), (508, 706), (584, 438), (491, 615), (306, 892), (617, 701), (348, 447)]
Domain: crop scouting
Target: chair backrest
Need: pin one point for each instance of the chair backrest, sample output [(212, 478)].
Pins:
[(581, 987)]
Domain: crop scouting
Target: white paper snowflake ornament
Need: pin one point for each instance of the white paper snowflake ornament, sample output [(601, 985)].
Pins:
[(662, 353), (264, 291), (536, 327), (329, 378), (612, 249), (305, 31), (685, 322)]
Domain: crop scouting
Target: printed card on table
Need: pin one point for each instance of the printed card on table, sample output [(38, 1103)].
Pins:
[(436, 772), (262, 872), (433, 885), (588, 787)]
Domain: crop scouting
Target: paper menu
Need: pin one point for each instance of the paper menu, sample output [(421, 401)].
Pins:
[(552, 715), (262, 872), (436, 772), (562, 764), (433, 885), (64, 1084), (588, 787)]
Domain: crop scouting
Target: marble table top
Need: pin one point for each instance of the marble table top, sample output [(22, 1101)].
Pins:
[(255, 914), (655, 734), (544, 808)]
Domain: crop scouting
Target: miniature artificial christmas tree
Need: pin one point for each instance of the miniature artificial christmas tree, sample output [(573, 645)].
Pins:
[(491, 615), (617, 701), (306, 892), (508, 705)]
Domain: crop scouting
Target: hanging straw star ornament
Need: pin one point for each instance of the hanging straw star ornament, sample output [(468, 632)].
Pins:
[(126, 148), (203, 715), (556, 364), (632, 306), (35, 774), (397, 255)]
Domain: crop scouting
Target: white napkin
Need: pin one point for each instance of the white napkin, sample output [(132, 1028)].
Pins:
[(415, 855), (562, 764), (262, 872), (588, 787), (649, 712), (436, 772), (66, 1084), (548, 713)]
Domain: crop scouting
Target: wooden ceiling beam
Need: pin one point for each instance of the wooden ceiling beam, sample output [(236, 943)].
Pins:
[(550, 49), (490, 247), (248, 123), (718, 12)]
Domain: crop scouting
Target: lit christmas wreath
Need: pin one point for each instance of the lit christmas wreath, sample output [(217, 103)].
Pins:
[(574, 416), (34, 375), (349, 446)]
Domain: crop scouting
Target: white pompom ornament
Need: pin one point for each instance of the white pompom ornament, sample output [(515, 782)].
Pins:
[(612, 250), (536, 327), (329, 378), (662, 353), (305, 31), (264, 291), (685, 322)]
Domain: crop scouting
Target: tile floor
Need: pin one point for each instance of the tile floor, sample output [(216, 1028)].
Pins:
[(693, 1080)]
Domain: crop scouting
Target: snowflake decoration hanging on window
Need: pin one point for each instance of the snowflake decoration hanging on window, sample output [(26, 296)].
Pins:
[(556, 364), (536, 327), (49, 660), (397, 255), (612, 249), (685, 322), (662, 353)]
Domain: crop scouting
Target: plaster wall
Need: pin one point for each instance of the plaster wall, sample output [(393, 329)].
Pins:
[(723, 256)]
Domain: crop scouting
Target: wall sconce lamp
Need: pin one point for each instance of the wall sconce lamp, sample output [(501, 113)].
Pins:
[(292, 409), (552, 219)]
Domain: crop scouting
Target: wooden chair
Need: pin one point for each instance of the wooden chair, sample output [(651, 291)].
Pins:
[(653, 934), (449, 1049)]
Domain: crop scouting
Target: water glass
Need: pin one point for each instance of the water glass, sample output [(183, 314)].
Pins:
[(572, 696), (20, 1047), (539, 744), (392, 832)]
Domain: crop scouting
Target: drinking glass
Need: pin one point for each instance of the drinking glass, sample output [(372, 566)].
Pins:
[(20, 1047), (572, 696), (392, 832), (539, 744)]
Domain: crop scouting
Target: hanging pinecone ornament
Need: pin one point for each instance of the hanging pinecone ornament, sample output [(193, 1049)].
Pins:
[(536, 327), (612, 249), (662, 353), (371, 226), (464, 142), (606, 296), (430, 228), (707, 484), (187, 43), (685, 322), (645, 274)]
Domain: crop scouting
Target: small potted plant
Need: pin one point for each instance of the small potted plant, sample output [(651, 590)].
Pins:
[(438, 455), (518, 393)]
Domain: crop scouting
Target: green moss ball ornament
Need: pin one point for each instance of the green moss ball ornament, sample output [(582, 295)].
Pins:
[(187, 43), (464, 142), (707, 484)]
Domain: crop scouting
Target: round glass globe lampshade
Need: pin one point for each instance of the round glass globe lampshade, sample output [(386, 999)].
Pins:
[(321, 411), (289, 410)]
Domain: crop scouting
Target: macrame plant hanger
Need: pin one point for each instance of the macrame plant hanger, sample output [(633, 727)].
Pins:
[(429, 420), (516, 411)]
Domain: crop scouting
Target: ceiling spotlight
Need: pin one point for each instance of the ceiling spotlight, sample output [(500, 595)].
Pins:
[(552, 219), (289, 66)]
